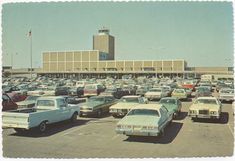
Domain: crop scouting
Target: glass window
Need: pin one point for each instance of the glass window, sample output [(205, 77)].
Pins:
[(45, 103)]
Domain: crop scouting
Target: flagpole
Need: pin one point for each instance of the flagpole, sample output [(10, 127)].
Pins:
[(31, 54)]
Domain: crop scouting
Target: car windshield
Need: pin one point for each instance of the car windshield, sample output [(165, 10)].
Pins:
[(202, 89), (96, 99), (110, 90), (45, 103), (168, 101), (206, 101), (130, 99), (155, 90), (143, 112), (90, 87), (32, 98), (179, 91)]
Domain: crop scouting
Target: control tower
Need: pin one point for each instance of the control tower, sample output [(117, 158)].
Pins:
[(104, 42)]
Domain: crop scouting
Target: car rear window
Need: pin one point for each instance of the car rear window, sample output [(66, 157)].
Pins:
[(45, 103), (130, 100), (143, 112)]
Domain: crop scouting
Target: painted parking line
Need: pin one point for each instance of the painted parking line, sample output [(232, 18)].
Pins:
[(230, 129)]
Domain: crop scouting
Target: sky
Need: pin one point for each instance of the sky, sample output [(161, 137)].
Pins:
[(201, 33)]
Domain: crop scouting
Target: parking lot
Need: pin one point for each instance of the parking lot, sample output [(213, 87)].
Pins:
[(96, 137)]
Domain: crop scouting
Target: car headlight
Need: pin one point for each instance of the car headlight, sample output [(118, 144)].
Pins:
[(213, 112)]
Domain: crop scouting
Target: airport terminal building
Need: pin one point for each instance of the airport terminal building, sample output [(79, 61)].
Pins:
[(101, 62)]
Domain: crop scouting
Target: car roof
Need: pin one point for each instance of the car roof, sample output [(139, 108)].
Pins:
[(51, 97), (148, 106)]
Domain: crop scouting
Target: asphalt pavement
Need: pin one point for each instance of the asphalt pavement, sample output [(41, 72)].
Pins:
[(96, 138)]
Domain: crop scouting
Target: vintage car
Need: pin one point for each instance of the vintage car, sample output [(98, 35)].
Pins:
[(156, 93), (115, 92), (180, 93), (16, 97), (125, 104), (172, 104), (93, 89), (97, 105), (142, 90), (29, 102), (8, 103), (202, 92), (47, 110), (145, 120), (205, 107), (226, 94)]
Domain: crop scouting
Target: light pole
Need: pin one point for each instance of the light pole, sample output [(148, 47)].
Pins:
[(12, 62), (31, 66)]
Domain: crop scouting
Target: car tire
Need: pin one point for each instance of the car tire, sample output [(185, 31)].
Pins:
[(193, 119), (74, 117), (42, 127), (161, 134), (115, 116), (99, 113)]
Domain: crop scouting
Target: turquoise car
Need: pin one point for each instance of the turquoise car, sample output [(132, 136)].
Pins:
[(145, 120), (172, 104)]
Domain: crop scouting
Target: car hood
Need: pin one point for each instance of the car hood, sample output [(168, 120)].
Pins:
[(143, 120), (123, 105), (204, 106)]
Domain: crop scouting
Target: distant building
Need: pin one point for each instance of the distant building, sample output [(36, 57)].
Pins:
[(104, 42), (101, 62)]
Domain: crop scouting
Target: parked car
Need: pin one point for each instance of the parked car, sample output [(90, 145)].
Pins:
[(226, 94), (48, 110), (97, 105), (156, 93), (115, 92), (173, 105), (205, 107), (145, 120), (9, 89), (142, 90), (16, 97), (74, 100), (29, 102), (180, 93), (125, 104), (60, 91), (7, 103), (189, 84), (202, 92), (93, 89)]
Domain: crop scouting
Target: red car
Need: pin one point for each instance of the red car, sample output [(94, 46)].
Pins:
[(7, 103), (16, 97)]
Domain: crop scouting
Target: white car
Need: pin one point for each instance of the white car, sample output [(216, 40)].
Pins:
[(145, 120), (156, 93), (205, 107), (125, 104)]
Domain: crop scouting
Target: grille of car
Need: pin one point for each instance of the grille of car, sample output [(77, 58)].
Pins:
[(204, 112)]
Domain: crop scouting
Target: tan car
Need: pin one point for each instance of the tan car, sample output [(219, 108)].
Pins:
[(125, 104), (205, 107)]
